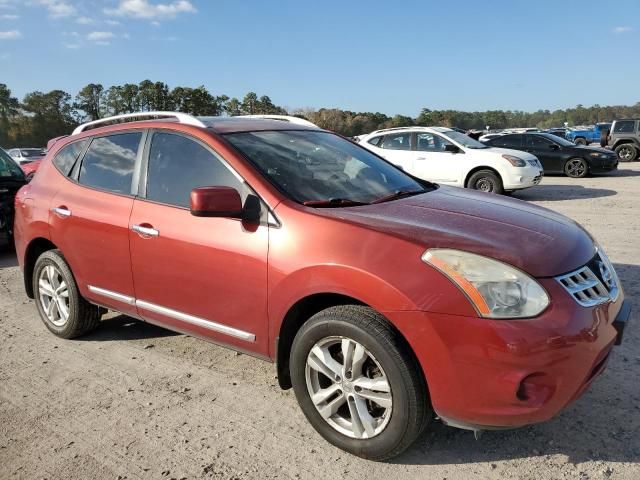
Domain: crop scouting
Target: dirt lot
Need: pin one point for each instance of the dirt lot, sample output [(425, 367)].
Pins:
[(135, 401)]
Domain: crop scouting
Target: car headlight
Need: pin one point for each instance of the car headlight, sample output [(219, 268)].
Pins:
[(597, 154), (495, 289), (515, 161)]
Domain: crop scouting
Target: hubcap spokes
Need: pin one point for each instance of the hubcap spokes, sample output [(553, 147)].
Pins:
[(54, 295), (348, 387), (576, 168)]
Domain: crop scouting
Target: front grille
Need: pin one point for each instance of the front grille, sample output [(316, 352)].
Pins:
[(533, 163), (593, 284)]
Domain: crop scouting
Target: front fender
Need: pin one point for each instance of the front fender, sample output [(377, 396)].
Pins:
[(338, 279)]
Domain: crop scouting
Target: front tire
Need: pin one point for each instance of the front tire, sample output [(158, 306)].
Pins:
[(580, 141), (626, 152), (576, 168), (485, 181), (61, 307), (357, 383)]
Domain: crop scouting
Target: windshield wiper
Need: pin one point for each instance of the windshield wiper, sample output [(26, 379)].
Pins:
[(333, 202), (398, 194)]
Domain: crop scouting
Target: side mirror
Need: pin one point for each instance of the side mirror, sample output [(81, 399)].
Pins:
[(252, 210), (216, 202), (451, 148)]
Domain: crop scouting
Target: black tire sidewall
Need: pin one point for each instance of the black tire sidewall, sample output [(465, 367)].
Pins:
[(392, 435), (495, 180), (53, 257), (623, 146)]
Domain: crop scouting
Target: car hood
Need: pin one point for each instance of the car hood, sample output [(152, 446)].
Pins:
[(536, 240), (493, 151), (586, 150)]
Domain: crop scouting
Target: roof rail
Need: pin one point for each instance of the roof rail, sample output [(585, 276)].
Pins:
[(398, 128), (283, 118), (180, 117)]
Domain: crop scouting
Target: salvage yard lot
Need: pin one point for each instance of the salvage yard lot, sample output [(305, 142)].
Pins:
[(132, 400)]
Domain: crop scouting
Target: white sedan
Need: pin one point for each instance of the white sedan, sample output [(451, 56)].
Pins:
[(445, 156)]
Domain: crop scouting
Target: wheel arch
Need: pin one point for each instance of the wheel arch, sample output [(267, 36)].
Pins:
[(36, 247), (299, 313)]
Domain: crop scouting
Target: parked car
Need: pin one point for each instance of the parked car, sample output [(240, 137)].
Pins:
[(384, 300), (558, 155), (11, 179), (30, 168), (445, 156), (489, 136), (26, 155), (625, 139), (585, 136), (558, 132)]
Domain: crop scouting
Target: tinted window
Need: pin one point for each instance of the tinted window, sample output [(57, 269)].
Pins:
[(9, 168), (428, 142), (507, 141), (66, 158), (375, 141), (625, 127), (399, 141), (537, 141), (177, 165), (109, 162)]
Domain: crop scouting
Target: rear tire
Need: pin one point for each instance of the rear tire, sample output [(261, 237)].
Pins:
[(576, 168), (61, 307), (379, 365), (626, 152), (485, 181)]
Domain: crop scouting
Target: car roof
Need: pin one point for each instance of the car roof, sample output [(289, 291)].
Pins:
[(386, 131)]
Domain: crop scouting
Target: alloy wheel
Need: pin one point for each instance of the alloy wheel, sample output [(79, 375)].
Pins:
[(53, 293), (348, 387), (576, 168), (485, 185), (626, 154)]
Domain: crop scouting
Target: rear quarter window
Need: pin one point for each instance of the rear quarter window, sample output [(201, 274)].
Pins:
[(627, 126), (66, 158)]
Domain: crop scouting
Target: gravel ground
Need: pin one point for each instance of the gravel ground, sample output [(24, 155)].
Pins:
[(135, 401)]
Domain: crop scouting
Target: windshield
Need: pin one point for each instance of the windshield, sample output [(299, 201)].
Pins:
[(32, 152), (464, 140), (8, 167), (314, 167)]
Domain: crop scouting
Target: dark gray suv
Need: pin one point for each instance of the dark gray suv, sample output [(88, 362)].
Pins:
[(625, 139)]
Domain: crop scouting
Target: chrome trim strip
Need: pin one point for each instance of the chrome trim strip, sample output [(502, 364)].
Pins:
[(200, 322), (113, 295)]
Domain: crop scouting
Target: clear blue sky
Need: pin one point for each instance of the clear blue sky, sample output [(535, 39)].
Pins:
[(393, 57)]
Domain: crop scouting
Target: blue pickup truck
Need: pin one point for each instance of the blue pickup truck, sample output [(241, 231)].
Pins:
[(582, 136)]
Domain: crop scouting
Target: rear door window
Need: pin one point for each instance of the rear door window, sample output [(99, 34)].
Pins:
[(508, 141), (110, 161), (398, 141)]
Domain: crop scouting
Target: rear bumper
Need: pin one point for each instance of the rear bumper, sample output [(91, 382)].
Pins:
[(488, 374)]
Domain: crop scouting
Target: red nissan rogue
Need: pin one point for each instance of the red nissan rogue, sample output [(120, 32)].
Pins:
[(384, 300)]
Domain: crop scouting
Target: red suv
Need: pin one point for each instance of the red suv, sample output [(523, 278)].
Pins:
[(384, 300)]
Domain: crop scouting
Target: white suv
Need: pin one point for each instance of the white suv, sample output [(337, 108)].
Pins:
[(445, 156)]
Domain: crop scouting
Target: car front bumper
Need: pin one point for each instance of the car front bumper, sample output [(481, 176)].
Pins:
[(528, 177), (489, 374)]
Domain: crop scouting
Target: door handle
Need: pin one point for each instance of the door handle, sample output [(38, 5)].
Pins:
[(62, 212), (145, 231), (421, 158)]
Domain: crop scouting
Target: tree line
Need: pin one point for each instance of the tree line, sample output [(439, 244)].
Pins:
[(44, 115)]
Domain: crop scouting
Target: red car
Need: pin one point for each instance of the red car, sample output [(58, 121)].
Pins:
[(384, 300), (30, 168)]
